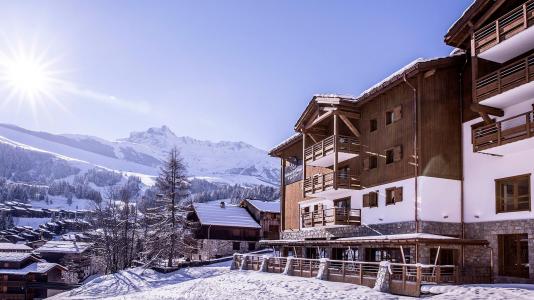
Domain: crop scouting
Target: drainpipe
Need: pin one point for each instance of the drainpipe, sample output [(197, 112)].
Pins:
[(462, 209), (416, 158)]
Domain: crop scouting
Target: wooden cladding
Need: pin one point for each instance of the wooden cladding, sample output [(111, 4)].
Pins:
[(320, 216), (506, 78), (323, 182), (393, 195), (512, 23), (513, 194), (370, 199), (505, 131), (327, 147)]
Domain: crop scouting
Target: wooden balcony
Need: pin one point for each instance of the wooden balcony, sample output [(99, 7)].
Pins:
[(503, 132), (331, 216), (325, 182), (506, 78), (322, 153), (516, 21)]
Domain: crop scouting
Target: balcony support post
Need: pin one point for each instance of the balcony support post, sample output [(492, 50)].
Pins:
[(303, 164), (525, 16), (336, 134)]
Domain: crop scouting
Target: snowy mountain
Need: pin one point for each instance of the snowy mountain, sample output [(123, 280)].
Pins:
[(141, 153)]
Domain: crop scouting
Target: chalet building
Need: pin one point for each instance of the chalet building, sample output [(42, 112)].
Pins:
[(497, 135), (76, 256), (24, 276), (10, 247), (224, 229), (267, 214), (432, 165)]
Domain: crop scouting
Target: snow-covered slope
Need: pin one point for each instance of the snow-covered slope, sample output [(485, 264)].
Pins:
[(142, 152)]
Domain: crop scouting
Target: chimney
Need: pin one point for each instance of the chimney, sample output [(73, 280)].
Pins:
[(222, 204)]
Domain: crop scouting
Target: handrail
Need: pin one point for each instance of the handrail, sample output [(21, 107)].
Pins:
[(508, 25), (326, 147), (323, 182), (504, 131), (506, 78)]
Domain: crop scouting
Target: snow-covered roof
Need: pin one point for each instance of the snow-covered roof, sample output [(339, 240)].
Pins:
[(266, 206), (70, 247), (230, 215), (13, 256), (14, 247), (340, 96), (38, 267), (403, 236), (290, 140)]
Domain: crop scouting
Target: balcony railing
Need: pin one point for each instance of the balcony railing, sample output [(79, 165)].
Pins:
[(326, 147), (505, 27), (506, 78), (503, 132), (323, 182), (331, 216)]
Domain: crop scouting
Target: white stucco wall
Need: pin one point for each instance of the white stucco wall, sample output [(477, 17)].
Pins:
[(481, 170), (437, 198)]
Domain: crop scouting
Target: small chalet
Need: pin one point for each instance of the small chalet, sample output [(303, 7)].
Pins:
[(9, 247), (224, 230), (74, 255), (24, 276), (267, 214)]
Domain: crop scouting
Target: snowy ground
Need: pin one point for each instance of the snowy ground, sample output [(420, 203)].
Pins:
[(218, 282)]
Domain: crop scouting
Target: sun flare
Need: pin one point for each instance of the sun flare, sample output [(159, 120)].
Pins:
[(26, 77)]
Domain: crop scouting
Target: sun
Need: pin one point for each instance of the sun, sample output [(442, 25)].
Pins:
[(26, 76)]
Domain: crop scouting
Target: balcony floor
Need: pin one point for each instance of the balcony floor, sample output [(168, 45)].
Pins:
[(328, 160), (331, 193), (513, 47), (514, 96), (510, 148)]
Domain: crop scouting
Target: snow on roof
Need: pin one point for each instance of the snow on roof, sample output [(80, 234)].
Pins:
[(266, 206), (13, 256), (230, 215), (340, 96), (64, 247), (39, 267), (286, 142), (14, 247), (403, 236)]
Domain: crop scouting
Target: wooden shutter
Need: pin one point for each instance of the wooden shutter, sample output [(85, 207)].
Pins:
[(397, 113), (397, 153), (373, 199), (398, 194), (366, 163), (365, 200)]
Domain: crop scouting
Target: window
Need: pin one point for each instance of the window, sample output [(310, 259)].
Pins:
[(236, 246), (513, 255), (393, 195), (390, 154), (393, 115), (373, 125), (513, 194), (370, 162), (370, 199), (251, 246), (444, 256), (342, 203), (389, 117)]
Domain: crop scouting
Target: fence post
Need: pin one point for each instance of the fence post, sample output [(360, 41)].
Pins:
[(438, 274), (361, 274)]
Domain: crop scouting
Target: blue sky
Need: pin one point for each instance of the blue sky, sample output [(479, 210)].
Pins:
[(217, 70)]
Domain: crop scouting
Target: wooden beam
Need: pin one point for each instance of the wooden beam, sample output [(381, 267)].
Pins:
[(489, 12), (351, 127), (486, 118), (493, 111), (312, 137), (319, 119), (350, 115)]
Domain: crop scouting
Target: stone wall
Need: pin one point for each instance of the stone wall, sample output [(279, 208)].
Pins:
[(329, 232), (490, 230), (220, 248)]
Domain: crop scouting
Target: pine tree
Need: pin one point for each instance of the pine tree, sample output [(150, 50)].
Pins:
[(171, 226)]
